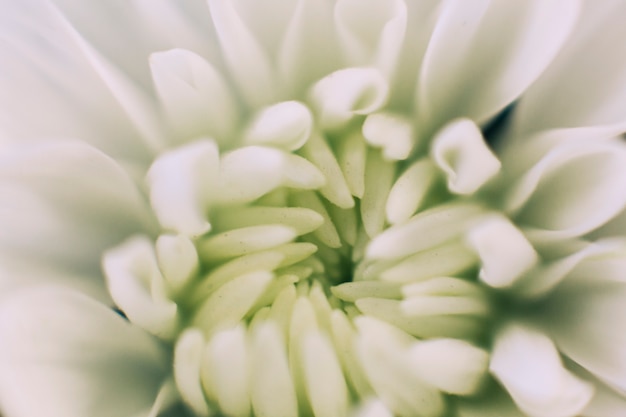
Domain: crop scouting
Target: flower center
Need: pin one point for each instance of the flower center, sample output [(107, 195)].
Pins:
[(300, 272)]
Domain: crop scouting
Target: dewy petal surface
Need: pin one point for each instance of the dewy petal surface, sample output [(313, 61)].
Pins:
[(72, 356)]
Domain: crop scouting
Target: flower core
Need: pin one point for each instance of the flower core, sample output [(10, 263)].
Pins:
[(320, 257)]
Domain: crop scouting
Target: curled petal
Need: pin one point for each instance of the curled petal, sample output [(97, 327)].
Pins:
[(527, 363), (285, 125), (181, 184), (347, 92), (575, 188), (504, 251), (461, 152)]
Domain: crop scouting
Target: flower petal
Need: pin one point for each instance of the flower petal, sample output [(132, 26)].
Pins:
[(285, 125), (249, 64), (371, 32), (461, 152), (65, 355), (181, 183), (504, 251), (138, 288), (573, 189), (585, 313), (483, 54), (454, 366), (527, 363), (575, 91), (347, 92), (65, 202), (194, 96), (49, 90)]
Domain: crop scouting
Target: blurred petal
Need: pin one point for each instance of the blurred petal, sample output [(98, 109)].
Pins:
[(65, 202), (371, 32), (586, 83), (573, 189), (65, 355), (585, 314), (196, 99), (483, 54)]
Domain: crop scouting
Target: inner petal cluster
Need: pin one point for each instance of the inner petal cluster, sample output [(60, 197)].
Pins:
[(324, 260)]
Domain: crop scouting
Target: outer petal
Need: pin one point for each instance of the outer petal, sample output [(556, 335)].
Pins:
[(483, 54), (65, 355), (49, 89), (66, 202), (585, 318), (586, 84)]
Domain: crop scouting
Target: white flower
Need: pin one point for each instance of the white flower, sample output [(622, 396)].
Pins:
[(312, 208)]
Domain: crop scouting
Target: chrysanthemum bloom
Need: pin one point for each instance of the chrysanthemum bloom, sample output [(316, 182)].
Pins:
[(312, 208)]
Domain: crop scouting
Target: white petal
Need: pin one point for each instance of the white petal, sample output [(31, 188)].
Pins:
[(132, 273), (344, 93), (425, 230), (527, 363), (226, 371), (182, 183), (504, 251), (352, 157), (574, 189), (585, 85), (195, 98), (309, 47), (249, 65), (391, 133), (189, 26), (178, 261), (18, 271), (371, 32), (135, 102), (74, 355), (51, 91), (272, 387), (324, 379), (66, 202), (373, 408), (483, 54), (285, 125), (547, 276), (336, 190), (461, 152), (585, 314), (230, 303), (381, 349), (243, 241), (327, 232), (252, 171), (409, 191), (187, 358), (452, 365), (379, 175), (427, 263)]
